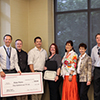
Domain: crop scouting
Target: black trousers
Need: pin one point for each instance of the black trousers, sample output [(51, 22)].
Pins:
[(54, 89), (96, 82), (83, 89), (8, 72)]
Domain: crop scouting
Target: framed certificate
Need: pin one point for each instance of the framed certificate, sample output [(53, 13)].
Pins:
[(26, 83), (49, 75)]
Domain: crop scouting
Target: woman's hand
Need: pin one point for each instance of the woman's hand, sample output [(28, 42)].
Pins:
[(70, 78), (56, 78), (45, 68), (88, 83)]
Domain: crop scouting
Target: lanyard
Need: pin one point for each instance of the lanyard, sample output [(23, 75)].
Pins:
[(9, 55)]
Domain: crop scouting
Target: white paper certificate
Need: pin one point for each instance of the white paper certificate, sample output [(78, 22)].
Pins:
[(26, 83), (49, 75)]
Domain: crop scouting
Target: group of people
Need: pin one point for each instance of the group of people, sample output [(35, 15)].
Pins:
[(77, 72)]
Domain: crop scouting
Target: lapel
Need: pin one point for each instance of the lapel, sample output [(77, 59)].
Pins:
[(83, 61)]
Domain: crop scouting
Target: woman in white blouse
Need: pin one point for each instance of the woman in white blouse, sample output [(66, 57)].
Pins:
[(84, 71)]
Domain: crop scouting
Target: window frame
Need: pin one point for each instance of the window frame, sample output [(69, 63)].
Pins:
[(88, 10)]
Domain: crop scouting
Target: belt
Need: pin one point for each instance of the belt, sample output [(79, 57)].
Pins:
[(8, 70), (97, 67), (38, 71)]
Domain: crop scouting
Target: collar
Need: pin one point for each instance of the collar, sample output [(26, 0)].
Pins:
[(98, 47), (38, 49), (71, 51), (18, 51), (7, 47), (53, 55), (82, 56)]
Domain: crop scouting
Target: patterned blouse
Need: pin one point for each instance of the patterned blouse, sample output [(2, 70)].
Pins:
[(69, 63)]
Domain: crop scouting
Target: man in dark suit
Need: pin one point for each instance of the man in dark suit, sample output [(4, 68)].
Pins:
[(22, 62)]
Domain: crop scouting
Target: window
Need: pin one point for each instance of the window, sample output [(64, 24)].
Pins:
[(76, 20)]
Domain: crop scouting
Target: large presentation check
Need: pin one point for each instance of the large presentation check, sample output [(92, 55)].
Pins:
[(26, 83)]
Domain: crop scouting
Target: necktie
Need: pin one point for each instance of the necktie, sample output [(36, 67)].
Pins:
[(99, 51), (7, 60)]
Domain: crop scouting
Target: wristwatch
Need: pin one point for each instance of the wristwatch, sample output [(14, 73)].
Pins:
[(57, 75)]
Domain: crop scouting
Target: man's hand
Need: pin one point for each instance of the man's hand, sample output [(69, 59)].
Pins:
[(2, 74), (31, 67), (19, 72), (45, 68)]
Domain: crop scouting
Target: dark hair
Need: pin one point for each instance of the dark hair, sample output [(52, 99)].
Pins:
[(71, 43), (56, 48), (37, 38), (18, 40), (97, 34), (83, 45), (7, 35)]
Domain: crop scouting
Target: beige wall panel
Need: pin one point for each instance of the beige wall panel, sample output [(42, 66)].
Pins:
[(4, 18), (41, 20), (50, 21), (91, 92), (38, 22), (19, 21)]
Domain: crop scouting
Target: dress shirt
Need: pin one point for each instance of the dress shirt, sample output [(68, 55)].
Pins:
[(37, 58), (23, 61), (95, 57), (79, 62), (13, 59)]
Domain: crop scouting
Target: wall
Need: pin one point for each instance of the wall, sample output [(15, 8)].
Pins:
[(19, 21), (50, 21), (26, 19), (91, 92), (40, 22), (4, 18)]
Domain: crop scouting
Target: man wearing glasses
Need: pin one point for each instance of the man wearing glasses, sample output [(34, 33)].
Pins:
[(95, 55)]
